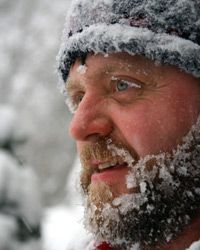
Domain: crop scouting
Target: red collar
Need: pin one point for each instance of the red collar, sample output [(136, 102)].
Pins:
[(103, 246)]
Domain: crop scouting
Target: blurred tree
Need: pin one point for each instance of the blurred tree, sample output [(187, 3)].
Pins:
[(20, 200), (30, 32)]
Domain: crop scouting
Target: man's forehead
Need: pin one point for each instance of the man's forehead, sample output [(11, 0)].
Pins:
[(107, 63), (97, 66)]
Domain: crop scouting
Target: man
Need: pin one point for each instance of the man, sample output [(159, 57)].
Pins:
[(131, 72)]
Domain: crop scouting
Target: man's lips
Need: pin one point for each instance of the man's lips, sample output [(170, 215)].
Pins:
[(100, 166), (109, 172)]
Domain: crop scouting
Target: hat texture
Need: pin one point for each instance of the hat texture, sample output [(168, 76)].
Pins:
[(164, 31)]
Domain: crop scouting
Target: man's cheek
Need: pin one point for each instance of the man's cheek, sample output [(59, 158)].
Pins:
[(143, 137), (148, 131)]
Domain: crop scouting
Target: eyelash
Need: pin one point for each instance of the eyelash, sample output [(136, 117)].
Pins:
[(129, 83)]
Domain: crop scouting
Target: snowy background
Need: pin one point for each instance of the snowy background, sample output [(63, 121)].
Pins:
[(30, 37), (33, 112)]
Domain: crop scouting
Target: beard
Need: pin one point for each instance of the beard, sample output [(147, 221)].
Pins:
[(163, 193)]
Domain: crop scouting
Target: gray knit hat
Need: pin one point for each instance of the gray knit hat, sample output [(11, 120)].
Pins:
[(167, 31)]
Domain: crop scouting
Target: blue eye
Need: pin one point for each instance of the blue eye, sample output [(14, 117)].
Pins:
[(122, 85)]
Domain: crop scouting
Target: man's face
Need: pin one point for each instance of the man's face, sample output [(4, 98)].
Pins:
[(126, 108)]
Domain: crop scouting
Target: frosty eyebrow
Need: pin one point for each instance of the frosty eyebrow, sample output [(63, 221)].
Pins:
[(72, 84)]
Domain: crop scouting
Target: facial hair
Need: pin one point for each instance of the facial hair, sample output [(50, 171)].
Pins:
[(167, 196)]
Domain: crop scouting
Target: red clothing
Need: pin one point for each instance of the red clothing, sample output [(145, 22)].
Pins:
[(104, 246)]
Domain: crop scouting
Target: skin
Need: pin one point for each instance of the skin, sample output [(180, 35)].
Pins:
[(148, 118)]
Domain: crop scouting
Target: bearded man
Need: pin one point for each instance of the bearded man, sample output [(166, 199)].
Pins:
[(131, 72)]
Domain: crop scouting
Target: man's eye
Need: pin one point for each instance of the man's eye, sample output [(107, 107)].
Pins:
[(78, 98), (73, 102), (122, 85)]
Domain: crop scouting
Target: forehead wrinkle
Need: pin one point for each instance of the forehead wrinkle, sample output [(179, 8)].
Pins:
[(102, 71), (111, 68)]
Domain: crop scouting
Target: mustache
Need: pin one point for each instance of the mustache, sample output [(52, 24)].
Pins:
[(95, 152), (105, 150)]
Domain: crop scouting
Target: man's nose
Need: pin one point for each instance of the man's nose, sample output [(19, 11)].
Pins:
[(91, 120)]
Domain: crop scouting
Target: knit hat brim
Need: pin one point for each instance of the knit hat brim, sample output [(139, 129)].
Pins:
[(104, 38)]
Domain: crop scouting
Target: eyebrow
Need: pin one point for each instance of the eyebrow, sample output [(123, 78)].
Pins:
[(72, 84)]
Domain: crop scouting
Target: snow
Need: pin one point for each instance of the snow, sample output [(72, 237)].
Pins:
[(19, 186), (61, 226), (146, 42), (82, 69), (143, 187), (12, 174), (103, 28), (8, 124), (8, 228), (135, 247), (20, 196), (116, 151), (71, 106), (128, 201), (31, 36), (195, 246)]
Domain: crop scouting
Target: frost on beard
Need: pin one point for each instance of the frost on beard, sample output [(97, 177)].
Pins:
[(167, 197)]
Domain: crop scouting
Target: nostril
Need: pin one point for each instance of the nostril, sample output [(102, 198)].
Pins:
[(93, 137)]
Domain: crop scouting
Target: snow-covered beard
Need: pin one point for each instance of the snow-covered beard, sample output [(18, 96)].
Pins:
[(166, 195)]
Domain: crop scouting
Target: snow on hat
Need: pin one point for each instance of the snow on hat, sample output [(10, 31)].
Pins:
[(165, 31)]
